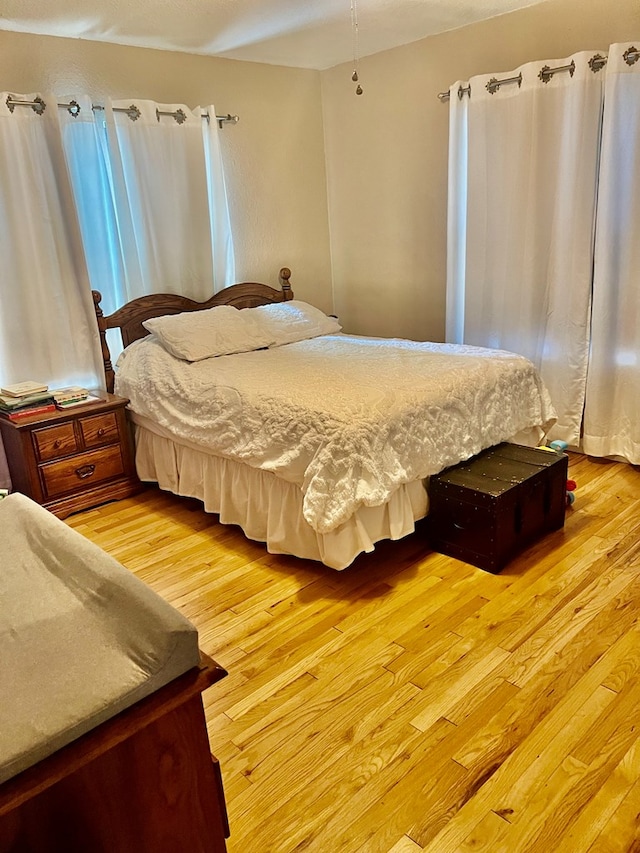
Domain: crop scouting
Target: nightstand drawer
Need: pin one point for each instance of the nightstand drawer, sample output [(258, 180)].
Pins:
[(99, 429), (54, 442), (82, 471)]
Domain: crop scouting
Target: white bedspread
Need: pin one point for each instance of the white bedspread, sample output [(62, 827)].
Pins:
[(347, 419)]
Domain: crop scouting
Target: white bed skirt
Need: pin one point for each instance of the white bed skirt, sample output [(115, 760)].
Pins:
[(267, 508)]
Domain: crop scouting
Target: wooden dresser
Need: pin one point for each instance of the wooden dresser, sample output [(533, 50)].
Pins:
[(142, 782), (72, 459)]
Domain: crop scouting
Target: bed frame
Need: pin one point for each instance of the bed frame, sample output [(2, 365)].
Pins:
[(130, 317)]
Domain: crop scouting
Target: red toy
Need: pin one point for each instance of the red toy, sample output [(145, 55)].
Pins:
[(559, 447)]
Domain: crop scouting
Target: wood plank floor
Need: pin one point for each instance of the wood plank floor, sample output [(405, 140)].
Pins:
[(413, 702)]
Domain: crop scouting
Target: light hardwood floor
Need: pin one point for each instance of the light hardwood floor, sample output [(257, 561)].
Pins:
[(413, 702)]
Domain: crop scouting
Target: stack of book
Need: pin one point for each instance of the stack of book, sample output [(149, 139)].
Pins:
[(67, 398), (25, 399)]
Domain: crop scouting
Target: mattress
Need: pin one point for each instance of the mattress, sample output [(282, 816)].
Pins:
[(82, 638)]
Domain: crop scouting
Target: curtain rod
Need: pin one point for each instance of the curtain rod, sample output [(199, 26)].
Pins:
[(73, 107), (596, 63)]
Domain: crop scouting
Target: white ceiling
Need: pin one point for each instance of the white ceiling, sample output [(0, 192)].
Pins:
[(303, 33)]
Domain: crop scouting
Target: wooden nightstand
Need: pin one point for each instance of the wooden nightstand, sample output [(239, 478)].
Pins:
[(72, 459)]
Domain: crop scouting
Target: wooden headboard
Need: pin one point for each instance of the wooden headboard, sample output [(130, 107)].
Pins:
[(130, 317)]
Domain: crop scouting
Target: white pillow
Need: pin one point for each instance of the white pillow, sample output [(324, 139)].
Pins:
[(287, 322), (194, 335)]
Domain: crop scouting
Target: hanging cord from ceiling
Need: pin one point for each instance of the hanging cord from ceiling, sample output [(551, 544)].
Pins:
[(356, 45)]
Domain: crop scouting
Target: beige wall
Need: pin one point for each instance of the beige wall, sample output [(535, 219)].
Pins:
[(274, 157), (387, 154)]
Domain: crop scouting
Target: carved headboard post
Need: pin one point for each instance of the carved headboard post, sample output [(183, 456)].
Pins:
[(102, 330), (285, 275)]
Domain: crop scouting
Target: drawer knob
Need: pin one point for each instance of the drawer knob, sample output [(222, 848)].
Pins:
[(85, 471), (101, 432), (56, 444)]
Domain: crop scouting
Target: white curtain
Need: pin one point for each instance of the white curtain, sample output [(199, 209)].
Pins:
[(150, 190), (153, 207), (47, 325), (86, 150), (224, 269), (532, 171), (457, 211), (612, 410)]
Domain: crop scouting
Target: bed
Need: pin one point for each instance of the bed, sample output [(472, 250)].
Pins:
[(315, 442), (103, 738)]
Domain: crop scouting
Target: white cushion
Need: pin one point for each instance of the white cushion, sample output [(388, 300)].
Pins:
[(194, 335), (288, 322)]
